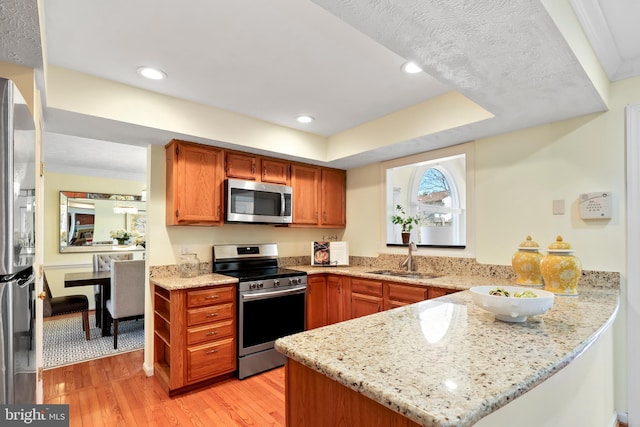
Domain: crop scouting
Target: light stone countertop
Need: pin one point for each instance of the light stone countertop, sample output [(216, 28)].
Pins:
[(435, 361), (175, 282)]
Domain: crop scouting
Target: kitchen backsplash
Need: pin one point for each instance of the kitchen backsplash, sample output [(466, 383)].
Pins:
[(450, 266)]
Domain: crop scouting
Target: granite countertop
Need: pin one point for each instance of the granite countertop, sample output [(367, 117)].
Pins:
[(440, 281), (175, 282), (435, 361)]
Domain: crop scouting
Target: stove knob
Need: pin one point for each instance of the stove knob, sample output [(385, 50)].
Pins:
[(252, 286), (294, 281), (276, 283), (260, 285)]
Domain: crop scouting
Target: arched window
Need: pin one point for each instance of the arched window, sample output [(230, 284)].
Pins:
[(434, 198), (434, 192)]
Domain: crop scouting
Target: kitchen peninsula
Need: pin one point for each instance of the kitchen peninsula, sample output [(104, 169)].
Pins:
[(447, 362)]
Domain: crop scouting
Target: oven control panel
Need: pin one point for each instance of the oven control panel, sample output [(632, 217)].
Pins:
[(264, 284)]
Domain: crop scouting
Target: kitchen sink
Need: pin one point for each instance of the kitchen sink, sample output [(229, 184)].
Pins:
[(407, 274)]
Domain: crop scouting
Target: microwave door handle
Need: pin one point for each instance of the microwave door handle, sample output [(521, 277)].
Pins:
[(282, 202)]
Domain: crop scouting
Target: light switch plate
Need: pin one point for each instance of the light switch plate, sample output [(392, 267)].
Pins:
[(595, 205), (557, 207)]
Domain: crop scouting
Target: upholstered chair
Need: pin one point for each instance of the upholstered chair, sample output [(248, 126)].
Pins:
[(52, 306), (102, 262), (127, 293)]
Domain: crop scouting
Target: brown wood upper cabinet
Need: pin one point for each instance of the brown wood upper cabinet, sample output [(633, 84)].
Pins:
[(194, 184), (319, 196), (275, 171), (256, 168), (240, 165)]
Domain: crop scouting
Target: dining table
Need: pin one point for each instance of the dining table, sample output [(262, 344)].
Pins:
[(91, 278)]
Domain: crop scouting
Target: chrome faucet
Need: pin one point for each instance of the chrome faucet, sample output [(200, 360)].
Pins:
[(408, 262)]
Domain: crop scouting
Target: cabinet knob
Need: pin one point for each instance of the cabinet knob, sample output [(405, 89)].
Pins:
[(212, 314), (215, 350), (212, 296), (214, 332)]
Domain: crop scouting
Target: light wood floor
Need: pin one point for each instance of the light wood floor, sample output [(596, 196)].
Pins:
[(115, 391)]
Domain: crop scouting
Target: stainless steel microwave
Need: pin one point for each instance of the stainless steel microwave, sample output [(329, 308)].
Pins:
[(257, 202)]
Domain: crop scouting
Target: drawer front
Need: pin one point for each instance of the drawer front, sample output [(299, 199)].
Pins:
[(209, 360), (213, 313), (367, 287), (439, 292), (210, 332), (407, 293), (217, 295)]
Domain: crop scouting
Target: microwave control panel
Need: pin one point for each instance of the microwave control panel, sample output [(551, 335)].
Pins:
[(595, 205)]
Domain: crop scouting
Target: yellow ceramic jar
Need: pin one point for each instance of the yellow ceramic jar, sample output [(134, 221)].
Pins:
[(561, 270), (526, 263)]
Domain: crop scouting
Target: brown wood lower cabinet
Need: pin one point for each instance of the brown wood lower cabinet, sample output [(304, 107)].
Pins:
[(316, 400), (332, 298), (194, 336), (366, 297), (337, 294), (316, 301)]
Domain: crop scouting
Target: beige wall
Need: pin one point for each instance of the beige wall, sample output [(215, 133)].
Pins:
[(165, 243), (56, 264), (517, 176)]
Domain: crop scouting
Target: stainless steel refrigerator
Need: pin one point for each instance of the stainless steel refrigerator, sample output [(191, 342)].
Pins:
[(17, 243)]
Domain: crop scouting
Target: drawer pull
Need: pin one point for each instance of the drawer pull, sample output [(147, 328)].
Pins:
[(211, 333), (212, 296), (212, 314), (215, 350)]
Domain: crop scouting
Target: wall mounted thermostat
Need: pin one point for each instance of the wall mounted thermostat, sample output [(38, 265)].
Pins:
[(595, 205)]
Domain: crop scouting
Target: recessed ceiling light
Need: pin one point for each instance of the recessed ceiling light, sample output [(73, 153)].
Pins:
[(304, 119), (411, 68), (152, 73)]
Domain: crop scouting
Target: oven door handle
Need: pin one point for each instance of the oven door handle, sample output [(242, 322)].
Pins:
[(271, 294)]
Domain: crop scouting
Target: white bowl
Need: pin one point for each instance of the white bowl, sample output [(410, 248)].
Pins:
[(511, 309)]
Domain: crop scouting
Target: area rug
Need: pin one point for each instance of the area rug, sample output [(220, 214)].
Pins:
[(64, 342)]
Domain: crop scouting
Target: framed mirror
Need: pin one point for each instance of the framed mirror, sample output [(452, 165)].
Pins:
[(100, 222)]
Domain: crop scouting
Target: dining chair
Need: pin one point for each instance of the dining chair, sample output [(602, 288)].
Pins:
[(127, 293), (52, 306), (102, 262)]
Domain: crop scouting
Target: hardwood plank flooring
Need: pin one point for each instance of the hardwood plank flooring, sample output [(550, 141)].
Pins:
[(114, 391)]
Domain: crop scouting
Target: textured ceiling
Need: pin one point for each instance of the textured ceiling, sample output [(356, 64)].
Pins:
[(336, 60), (20, 33)]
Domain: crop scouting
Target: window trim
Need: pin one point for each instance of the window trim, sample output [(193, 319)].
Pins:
[(388, 206)]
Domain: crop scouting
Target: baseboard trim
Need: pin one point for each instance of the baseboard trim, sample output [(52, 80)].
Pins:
[(148, 370)]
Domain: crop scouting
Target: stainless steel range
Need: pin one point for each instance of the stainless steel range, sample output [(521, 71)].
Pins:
[(271, 302)]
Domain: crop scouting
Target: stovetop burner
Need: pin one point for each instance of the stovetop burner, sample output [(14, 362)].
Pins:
[(254, 263), (263, 273)]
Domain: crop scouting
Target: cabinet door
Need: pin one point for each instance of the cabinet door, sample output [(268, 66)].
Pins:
[(241, 166), (335, 304), (194, 184), (333, 198), (275, 171), (439, 292), (397, 295), (305, 181), (362, 305), (316, 301)]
